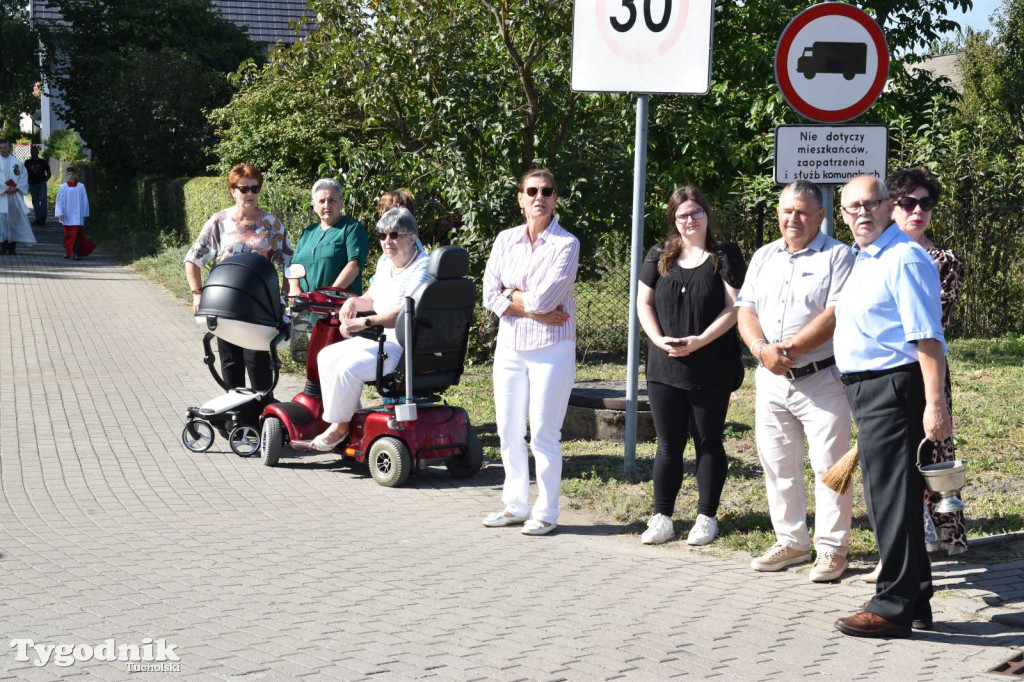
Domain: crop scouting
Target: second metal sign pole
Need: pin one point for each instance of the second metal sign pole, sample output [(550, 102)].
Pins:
[(637, 253)]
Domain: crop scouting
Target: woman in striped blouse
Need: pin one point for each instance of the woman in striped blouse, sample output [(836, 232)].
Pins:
[(528, 284)]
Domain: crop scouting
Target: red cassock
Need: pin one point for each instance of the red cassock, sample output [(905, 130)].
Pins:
[(73, 234)]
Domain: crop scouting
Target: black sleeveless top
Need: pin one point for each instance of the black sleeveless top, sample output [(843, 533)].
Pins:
[(680, 314)]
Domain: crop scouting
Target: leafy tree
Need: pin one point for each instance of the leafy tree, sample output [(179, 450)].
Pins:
[(455, 98), (135, 77), (19, 55)]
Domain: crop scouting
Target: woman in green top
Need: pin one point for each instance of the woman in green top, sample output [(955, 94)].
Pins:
[(333, 251)]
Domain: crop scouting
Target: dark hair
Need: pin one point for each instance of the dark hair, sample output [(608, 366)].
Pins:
[(674, 243), (804, 188), (243, 170), (538, 173), (904, 182), (71, 169), (395, 198)]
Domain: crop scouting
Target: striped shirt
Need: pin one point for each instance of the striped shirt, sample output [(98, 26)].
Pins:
[(545, 272)]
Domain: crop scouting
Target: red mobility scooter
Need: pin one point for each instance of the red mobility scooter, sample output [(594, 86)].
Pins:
[(415, 428)]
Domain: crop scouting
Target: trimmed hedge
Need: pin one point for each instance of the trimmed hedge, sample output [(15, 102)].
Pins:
[(150, 213)]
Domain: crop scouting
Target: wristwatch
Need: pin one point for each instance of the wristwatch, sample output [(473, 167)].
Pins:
[(366, 321)]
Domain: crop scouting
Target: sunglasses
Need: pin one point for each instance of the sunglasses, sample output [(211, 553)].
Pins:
[(393, 236), (908, 204), (546, 191), (245, 189)]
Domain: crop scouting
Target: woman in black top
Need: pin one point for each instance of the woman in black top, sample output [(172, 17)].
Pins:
[(687, 291)]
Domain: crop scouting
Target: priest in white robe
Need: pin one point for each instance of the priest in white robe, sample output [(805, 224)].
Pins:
[(14, 225)]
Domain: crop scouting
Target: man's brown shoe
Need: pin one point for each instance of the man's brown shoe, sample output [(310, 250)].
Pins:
[(866, 624)]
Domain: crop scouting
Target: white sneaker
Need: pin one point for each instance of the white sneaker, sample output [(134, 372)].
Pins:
[(659, 530), (705, 529), (778, 558), (535, 527), (502, 518), (828, 566)]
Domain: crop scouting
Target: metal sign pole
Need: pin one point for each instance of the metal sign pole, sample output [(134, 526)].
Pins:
[(637, 253), (828, 227)]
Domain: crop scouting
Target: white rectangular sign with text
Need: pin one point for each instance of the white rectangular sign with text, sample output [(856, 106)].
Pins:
[(642, 46), (830, 154)]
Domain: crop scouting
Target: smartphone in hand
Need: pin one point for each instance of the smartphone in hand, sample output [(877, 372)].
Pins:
[(676, 344)]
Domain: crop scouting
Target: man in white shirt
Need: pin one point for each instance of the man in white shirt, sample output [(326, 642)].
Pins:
[(786, 317), (14, 225)]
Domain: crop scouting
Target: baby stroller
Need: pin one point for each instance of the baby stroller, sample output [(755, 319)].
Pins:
[(241, 304)]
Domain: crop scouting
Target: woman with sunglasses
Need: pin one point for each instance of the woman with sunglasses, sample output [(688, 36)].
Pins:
[(243, 228), (685, 302), (914, 196), (528, 284), (345, 366)]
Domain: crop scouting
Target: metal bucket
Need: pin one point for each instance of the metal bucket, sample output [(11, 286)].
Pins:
[(945, 478)]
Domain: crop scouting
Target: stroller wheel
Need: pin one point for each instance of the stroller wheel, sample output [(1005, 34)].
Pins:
[(272, 442), (244, 441), (197, 436)]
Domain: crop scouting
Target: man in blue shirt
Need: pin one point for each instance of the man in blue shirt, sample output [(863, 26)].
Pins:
[(890, 347)]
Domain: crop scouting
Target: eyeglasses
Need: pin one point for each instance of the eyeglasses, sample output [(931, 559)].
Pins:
[(393, 236), (546, 191), (245, 189), (908, 204), (699, 214), (868, 206)]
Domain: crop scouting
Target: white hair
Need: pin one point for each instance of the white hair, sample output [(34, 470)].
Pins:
[(400, 218), (327, 183)]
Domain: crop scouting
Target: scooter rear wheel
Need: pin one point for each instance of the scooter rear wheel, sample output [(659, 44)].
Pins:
[(470, 461), (390, 462), (271, 441)]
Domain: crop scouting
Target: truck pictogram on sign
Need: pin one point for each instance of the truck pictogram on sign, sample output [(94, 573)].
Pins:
[(849, 59)]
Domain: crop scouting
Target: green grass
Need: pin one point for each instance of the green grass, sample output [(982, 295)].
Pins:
[(988, 406)]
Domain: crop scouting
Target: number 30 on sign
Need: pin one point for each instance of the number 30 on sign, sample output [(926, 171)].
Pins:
[(642, 46)]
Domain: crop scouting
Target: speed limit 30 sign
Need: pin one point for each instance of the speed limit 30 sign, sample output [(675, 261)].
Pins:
[(642, 46)]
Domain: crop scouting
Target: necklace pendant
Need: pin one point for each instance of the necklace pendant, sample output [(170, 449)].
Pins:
[(682, 290)]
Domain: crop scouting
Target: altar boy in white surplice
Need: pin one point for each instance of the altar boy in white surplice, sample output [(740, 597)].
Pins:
[(72, 209)]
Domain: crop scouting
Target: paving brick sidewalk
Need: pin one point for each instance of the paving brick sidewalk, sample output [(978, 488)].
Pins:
[(110, 529)]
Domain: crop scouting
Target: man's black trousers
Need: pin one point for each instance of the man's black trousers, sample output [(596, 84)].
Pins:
[(888, 409)]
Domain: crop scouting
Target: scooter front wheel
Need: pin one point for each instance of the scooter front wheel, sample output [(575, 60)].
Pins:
[(271, 441), (197, 436)]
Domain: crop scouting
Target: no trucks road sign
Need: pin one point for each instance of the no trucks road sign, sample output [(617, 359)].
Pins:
[(642, 46), (832, 62)]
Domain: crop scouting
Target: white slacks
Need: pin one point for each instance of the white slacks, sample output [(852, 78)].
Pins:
[(344, 368), (786, 411), (535, 383)]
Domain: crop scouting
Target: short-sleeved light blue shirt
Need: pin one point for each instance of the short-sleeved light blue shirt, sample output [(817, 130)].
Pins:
[(891, 300)]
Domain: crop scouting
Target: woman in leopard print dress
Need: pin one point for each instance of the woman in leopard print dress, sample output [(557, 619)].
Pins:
[(914, 195)]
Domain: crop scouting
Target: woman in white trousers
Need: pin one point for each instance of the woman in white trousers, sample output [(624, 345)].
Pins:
[(528, 284)]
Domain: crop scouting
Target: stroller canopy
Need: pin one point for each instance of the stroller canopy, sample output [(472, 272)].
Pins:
[(241, 302)]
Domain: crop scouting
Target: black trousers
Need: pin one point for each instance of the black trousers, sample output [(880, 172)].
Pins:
[(889, 410), (235, 361), (678, 414)]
